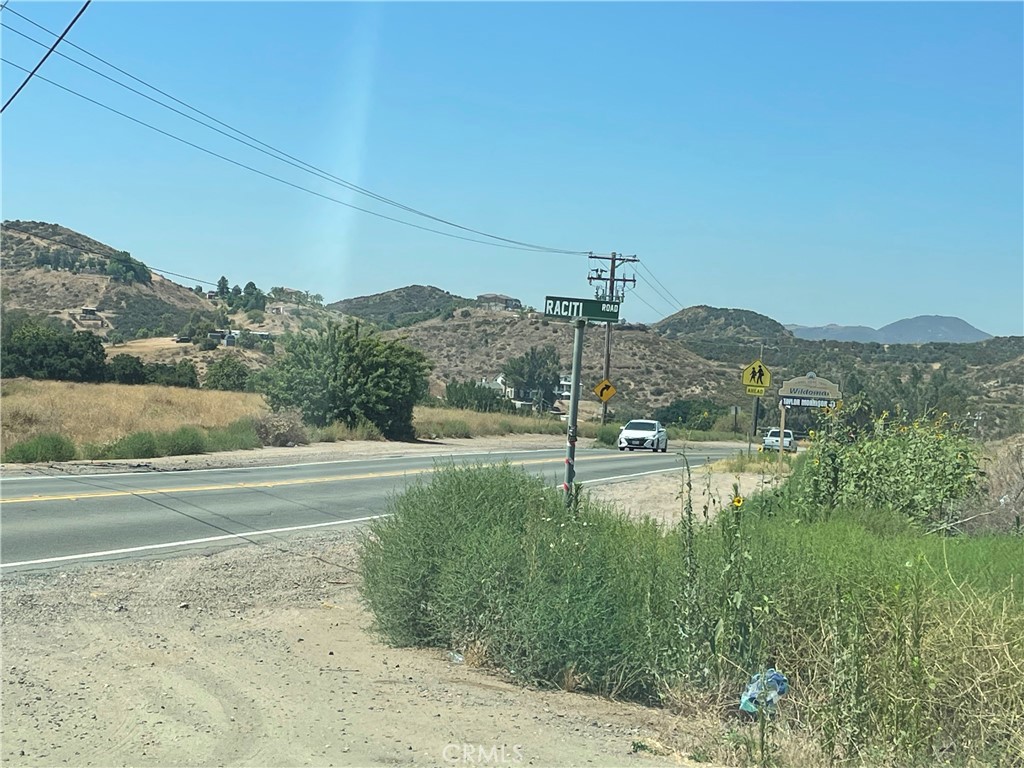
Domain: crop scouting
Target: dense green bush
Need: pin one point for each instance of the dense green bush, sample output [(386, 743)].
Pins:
[(608, 434), (45, 447), (181, 374), (237, 436), (693, 414), (228, 373), (183, 441), (893, 641), (126, 369), (38, 349), (919, 468), (137, 445), (474, 396), (339, 376)]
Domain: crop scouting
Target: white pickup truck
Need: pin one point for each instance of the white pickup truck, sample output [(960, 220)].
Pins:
[(771, 441)]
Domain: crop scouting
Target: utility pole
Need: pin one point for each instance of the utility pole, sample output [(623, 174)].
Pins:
[(609, 294)]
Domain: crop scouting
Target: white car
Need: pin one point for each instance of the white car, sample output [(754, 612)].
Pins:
[(644, 434), (771, 441)]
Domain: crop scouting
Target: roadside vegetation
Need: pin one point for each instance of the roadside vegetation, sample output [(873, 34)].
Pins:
[(902, 635)]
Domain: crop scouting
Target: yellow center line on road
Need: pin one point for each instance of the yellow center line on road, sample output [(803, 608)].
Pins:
[(238, 486)]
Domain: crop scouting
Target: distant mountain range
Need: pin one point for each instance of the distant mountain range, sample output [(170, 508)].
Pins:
[(915, 330)]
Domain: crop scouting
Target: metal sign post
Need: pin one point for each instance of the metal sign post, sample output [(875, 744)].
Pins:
[(574, 406), (579, 311), (782, 433), (756, 378)]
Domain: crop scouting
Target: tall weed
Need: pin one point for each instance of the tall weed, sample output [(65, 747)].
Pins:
[(44, 447), (901, 648)]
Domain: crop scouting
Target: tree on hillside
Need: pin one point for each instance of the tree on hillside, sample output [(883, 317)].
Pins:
[(692, 414), (126, 369), (537, 371), (40, 350), (123, 268), (228, 373), (338, 376), (476, 397), (222, 287), (183, 374)]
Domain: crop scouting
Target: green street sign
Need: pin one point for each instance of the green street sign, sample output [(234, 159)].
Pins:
[(580, 309)]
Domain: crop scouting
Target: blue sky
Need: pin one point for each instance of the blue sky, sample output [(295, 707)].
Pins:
[(851, 163)]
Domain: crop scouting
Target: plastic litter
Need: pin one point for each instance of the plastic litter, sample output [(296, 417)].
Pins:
[(455, 657), (767, 687)]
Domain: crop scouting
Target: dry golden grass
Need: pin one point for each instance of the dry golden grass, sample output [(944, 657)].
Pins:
[(454, 422), (102, 413)]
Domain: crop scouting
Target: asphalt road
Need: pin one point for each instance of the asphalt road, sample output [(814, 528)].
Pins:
[(50, 522)]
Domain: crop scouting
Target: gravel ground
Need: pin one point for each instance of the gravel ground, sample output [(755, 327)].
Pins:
[(263, 655)]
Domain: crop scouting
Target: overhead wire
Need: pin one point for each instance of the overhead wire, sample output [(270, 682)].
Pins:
[(278, 154), (647, 269), (278, 178), (632, 291), (659, 293), (46, 56)]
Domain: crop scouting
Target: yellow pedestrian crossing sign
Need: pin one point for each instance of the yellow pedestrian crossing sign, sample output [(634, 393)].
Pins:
[(605, 389), (757, 378)]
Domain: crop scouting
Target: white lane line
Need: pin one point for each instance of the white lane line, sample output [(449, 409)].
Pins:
[(187, 542), (601, 480), (90, 475)]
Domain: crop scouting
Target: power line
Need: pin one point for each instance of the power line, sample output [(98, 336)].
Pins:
[(659, 293), (277, 154), (677, 301), (285, 181), (45, 57), (641, 298)]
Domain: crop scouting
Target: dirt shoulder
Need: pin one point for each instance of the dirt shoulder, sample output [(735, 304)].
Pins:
[(263, 655), (317, 452)]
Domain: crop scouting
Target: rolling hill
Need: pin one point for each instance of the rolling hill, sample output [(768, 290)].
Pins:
[(914, 330), (695, 353), (401, 306), (648, 369)]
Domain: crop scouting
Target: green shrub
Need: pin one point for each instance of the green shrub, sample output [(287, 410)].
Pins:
[(137, 445), (491, 557), (45, 447), (608, 434), (920, 468), (900, 648), (281, 428), (183, 441), (238, 436)]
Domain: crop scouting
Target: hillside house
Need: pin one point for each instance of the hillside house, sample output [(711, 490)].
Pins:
[(564, 390), (498, 301)]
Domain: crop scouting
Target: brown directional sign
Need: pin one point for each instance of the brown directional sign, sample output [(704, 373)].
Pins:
[(810, 391)]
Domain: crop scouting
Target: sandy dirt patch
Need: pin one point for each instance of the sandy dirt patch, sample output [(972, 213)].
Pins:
[(262, 655), (662, 497)]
